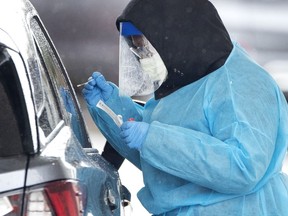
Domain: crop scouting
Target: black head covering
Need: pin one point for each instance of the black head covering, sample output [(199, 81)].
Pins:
[(188, 34)]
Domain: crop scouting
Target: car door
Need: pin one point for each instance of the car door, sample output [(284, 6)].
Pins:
[(15, 136), (58, 113)]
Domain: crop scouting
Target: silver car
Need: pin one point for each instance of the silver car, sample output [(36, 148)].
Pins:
[(47, 164)]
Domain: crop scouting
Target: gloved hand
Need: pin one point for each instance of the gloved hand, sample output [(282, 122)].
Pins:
[(134, 133), (97, 88)]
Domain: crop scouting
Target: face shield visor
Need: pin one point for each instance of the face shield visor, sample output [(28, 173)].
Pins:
[(141, 69)]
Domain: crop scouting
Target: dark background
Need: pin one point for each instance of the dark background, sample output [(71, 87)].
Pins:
[(86, 37)]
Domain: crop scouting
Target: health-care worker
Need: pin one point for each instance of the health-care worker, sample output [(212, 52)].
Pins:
[(213, 137)]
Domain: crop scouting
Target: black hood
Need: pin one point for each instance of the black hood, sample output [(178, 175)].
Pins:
[(188, 34)]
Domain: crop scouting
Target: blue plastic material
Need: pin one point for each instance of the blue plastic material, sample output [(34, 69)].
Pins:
[(134, 133), (129, 29), (214, 147)]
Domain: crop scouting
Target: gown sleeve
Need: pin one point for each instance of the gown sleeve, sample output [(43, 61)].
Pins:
[(125, 107)]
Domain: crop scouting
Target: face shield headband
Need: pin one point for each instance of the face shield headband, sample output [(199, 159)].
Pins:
[(141, 69)]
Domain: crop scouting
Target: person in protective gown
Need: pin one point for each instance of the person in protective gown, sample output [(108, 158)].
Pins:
[(212, 138)]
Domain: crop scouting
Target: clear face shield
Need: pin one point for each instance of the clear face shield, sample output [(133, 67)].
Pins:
[(141, 69)]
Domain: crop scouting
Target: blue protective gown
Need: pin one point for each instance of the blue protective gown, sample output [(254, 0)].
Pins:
[(214, 147)]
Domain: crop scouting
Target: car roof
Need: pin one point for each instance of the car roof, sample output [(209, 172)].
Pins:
[(14, 25)]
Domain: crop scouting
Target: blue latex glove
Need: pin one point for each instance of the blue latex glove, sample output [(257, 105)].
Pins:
[(97, 88), (134, 133)]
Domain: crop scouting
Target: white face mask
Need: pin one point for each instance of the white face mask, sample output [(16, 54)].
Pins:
[(154, 67)]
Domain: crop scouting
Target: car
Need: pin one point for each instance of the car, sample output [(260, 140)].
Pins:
[(47, 163)]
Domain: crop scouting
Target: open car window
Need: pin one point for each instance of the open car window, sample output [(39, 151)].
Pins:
[(14, 127)]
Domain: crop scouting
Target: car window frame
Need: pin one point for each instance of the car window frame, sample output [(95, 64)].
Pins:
[(44, 46)]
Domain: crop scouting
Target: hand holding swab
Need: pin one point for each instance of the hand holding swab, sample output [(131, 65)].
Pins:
[(82, 84)]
